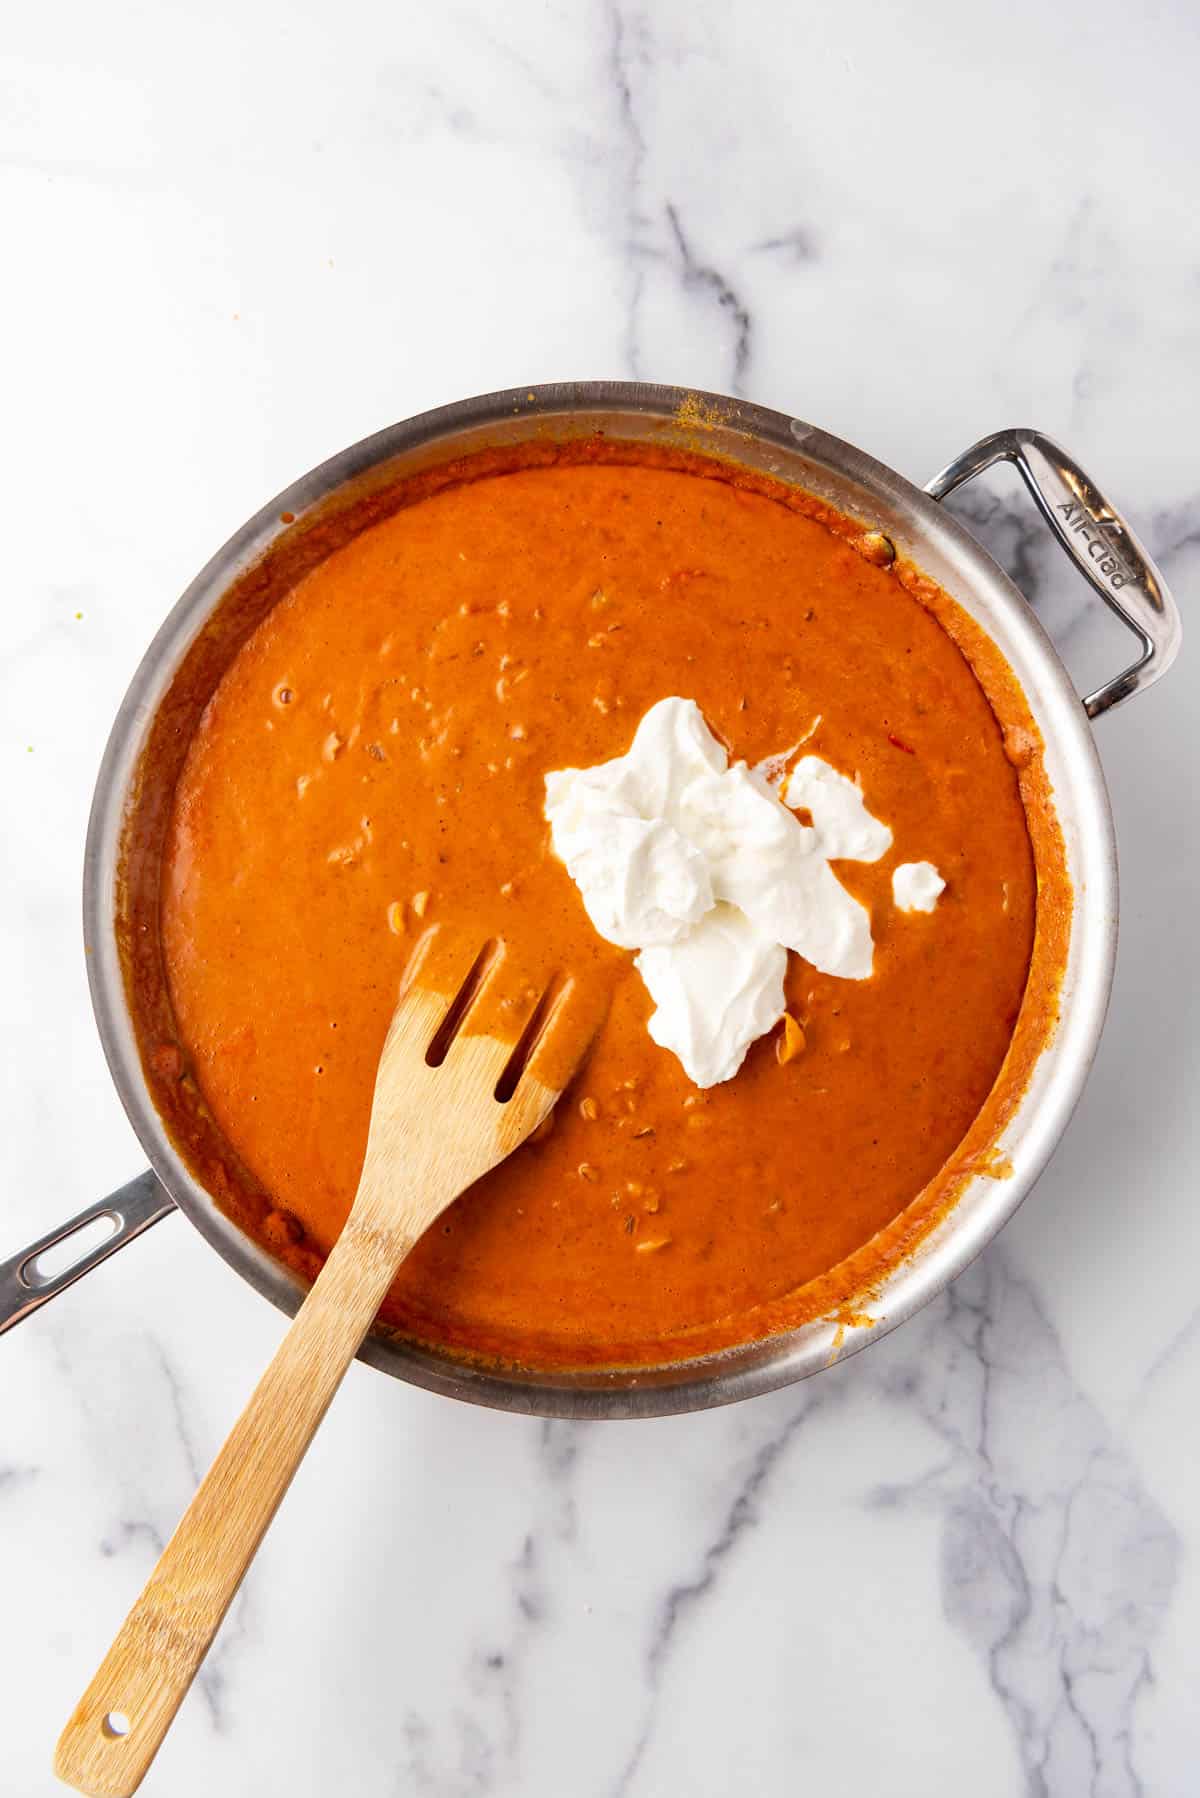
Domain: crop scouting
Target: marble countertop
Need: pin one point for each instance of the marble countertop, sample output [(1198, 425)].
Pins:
[(238, 237)]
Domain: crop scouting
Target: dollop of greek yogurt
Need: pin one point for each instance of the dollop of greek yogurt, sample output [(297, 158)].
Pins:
[(917, 886), (701, 868)]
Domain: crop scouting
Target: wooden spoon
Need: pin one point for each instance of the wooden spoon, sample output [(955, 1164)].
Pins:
[(434, 1130)]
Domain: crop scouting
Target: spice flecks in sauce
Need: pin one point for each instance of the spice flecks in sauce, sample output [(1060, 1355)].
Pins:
[(263, 941)]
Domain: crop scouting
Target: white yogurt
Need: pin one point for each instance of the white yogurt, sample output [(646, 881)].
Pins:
[(917, 886), (701, 868)]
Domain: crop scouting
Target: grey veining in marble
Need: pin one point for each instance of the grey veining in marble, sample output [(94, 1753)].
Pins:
[(237, 238)]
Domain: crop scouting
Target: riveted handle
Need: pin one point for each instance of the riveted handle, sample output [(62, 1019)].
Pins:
[(1099, 541), (37, 1273)]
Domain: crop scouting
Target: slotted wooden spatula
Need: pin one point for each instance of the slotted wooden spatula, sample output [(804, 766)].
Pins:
[(465, 1030)]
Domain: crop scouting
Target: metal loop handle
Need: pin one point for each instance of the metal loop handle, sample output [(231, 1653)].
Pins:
[(129, 1211), (1098, 540)]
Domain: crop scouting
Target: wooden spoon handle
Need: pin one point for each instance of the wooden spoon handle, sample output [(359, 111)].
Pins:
[(119, 1723)]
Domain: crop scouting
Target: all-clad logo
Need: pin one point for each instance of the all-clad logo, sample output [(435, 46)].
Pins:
[(1101, 551)]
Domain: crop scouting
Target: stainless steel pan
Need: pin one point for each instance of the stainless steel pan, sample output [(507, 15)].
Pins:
[(1105, 551)]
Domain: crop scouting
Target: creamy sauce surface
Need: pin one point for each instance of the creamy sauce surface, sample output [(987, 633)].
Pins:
[(375, 760)]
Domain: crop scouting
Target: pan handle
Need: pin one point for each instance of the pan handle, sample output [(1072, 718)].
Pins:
[(1098, 541), (127, 1212)]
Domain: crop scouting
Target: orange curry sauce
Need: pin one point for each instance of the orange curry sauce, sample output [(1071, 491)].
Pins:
[(372, 761)]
